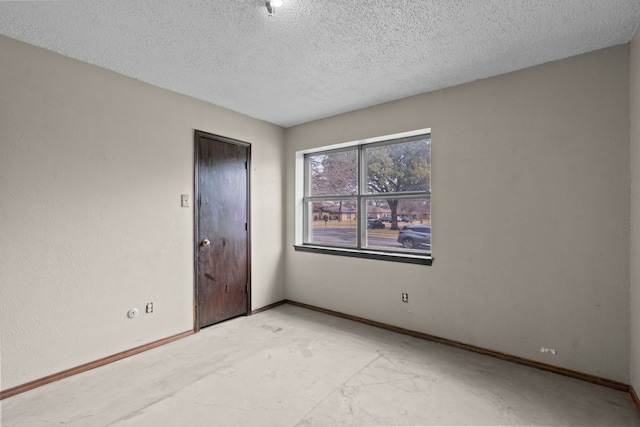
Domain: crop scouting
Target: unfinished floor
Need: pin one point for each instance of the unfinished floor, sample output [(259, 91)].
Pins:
[(289, 366)]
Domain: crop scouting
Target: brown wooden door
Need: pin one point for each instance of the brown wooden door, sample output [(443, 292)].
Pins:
[(222, 229)]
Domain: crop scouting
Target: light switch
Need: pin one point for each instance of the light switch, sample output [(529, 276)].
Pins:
[(184, 201)]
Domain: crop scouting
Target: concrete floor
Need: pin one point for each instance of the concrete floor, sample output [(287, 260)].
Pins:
[(293, 367)]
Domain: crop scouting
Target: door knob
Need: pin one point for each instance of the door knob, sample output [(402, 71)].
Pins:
[(206, 242)]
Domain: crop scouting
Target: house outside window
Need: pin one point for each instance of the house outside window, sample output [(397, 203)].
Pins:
[(370, 199)]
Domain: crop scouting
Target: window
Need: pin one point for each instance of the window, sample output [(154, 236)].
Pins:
[(371, 199)]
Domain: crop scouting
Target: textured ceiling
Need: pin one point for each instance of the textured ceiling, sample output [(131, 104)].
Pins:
[(317, 58)]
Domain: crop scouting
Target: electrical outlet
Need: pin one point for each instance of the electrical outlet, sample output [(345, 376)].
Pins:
[(548, 350), (405, 297), (149, 307)]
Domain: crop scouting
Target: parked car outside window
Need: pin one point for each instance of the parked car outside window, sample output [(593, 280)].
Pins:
[(415, 236), (375, 223)]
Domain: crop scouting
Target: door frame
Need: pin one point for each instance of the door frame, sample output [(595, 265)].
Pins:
[(196, 216)]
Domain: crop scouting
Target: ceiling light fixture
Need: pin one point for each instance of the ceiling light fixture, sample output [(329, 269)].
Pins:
[(271, 6)]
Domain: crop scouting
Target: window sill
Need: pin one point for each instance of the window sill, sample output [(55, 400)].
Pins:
[(381, 256)]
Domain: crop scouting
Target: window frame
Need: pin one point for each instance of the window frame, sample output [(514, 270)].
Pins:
[(360, 250)]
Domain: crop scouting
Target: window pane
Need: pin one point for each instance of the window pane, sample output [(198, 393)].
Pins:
[(334, 174), (332, 222), (399, 167), (399, 224)]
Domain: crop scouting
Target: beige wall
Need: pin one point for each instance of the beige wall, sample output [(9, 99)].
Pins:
[(92, 165), (635, 210), (530, 216)]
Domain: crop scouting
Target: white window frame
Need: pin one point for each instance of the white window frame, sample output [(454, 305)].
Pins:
[(303, 179)]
